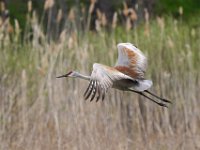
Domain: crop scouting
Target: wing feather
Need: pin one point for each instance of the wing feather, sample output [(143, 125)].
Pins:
[(102, 78), (131, 61)]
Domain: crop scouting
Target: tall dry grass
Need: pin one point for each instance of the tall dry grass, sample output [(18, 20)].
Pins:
[(38, 111)]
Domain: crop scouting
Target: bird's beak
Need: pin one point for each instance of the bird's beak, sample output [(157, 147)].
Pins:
[(65, 75)]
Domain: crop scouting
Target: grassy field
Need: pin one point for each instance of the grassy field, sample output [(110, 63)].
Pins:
[(38, 111)]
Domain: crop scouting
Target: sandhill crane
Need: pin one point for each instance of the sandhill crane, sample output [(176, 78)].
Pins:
[(126, 75)]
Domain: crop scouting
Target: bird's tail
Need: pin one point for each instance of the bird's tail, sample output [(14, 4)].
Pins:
[(143, 85)]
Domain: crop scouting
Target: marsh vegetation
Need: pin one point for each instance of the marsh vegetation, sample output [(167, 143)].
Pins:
[(38, 111)]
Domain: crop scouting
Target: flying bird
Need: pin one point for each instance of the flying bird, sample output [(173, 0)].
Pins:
[(126, 75)]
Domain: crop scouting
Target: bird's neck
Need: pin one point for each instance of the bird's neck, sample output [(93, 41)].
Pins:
[(83, 76)]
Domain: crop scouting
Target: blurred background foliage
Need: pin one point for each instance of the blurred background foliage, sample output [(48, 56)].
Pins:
[(190, 7), (176, 8)]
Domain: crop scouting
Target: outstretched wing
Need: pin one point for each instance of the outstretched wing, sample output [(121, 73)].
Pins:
[(131, 61), (102, 78)]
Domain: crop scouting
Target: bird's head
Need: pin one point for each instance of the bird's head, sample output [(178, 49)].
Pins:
[(72, 74)]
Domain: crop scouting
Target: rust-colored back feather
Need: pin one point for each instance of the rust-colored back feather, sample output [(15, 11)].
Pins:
[(131, 61), (128, 71), (131, 56)]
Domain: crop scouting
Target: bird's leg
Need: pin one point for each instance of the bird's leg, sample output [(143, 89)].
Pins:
[(160, 98), (160, 104)]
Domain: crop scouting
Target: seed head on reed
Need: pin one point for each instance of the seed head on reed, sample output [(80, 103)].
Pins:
[(136, 6), (128, 24), (146, 17), (41, 71), (6, 25), (62, 37), (83, 10), (193, 32), (92, 1), (103, 20), (1, 22), (180, 10), (48, 4), (125, 10), (175, 26), (130, 15), (97, 25), (72, 40), (29, 5), (170, 42), (166, 74), (17, 28), (133, 14), (99, 14), (91, 7), (2, 6), (24, 83), (71, 15), (101, 17), (34, 18), (160, 22), (59, 16), (114, 21)]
